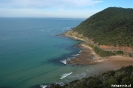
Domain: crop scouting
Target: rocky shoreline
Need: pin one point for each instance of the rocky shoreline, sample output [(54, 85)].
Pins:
[(87, 55)]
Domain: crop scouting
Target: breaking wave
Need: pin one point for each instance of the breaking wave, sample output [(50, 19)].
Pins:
[(64, 61), (65, 75)]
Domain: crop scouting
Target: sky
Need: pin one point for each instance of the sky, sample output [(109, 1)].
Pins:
[(58, 8)]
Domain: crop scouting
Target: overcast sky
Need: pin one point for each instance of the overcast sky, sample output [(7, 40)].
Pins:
[(58, 8)]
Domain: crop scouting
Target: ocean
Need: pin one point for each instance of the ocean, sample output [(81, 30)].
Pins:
[(32, 54)]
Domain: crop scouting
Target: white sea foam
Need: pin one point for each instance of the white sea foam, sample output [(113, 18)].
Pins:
[(65, 75), (75, 55), (43, 86), (68, 59), (64, 61)]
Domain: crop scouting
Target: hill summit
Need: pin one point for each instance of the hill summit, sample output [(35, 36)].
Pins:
[(112, 26)]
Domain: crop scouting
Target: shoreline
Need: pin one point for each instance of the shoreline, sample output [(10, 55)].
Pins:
[(88, 55)]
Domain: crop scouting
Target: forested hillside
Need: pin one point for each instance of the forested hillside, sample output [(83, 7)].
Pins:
[(112, 26), (122, 77)]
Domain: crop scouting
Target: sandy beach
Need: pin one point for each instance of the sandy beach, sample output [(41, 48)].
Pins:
[(120, 60)]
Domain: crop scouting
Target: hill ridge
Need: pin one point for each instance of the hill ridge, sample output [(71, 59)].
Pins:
[(112, 26)]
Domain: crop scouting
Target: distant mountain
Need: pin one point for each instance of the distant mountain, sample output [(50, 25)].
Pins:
[(112, 26)]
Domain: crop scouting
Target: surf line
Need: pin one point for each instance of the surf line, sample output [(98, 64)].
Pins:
[(65, 75), (68, 59)]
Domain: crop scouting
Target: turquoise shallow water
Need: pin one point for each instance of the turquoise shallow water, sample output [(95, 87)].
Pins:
[(31, 53)]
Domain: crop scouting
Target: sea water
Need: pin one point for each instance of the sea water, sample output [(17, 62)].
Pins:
[(31, 53)]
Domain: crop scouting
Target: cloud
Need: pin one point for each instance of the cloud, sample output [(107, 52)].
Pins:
[(83, 2), (41, 13), (47, 3), (47, 8)]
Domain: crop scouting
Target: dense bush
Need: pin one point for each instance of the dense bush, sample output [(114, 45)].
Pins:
[(103, 53), (112, 26), (119, 77)]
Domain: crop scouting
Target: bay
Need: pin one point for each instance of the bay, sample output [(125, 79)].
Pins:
[(30, 51)]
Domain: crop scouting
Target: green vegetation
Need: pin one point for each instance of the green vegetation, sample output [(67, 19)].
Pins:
[(119, 77), (101, 52), (104, 53), (112, 26), (119, 52)]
